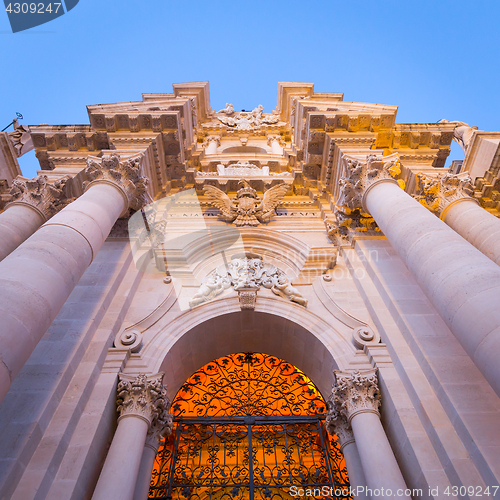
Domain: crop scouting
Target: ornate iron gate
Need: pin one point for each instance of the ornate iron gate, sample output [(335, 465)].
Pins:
[(222, 454)]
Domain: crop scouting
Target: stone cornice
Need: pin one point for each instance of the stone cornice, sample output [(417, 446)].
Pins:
[(124, 174), (437, 194), (47, 199), (354, 393), (144, 397)]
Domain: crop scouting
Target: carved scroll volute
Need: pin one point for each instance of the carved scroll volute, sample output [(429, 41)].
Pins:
[(130, 339)]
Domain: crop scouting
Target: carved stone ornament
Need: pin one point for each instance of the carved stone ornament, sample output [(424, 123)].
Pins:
[(243, 169), (130, 339), (245, 120), (20, 138), (247, 209), (359, 176), (354, 393), (46, 198), (355, 221), (437, 193), (144, 397), (157, 430), (246, 273), (125, 174), (275, 138), (337, 424), (462, 133), (364, 335)]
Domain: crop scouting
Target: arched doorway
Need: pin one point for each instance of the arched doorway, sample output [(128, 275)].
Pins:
[(248, 425)]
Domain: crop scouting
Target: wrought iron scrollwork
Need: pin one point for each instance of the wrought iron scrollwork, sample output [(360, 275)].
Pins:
[(247, 426)]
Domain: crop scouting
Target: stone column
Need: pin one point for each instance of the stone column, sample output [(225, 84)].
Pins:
[(35, 202), (337, 424), (356, 397), (450, 198), (149, 456), (37, 278), (461, 282), (142, 404), (275, 142), (211, 144)]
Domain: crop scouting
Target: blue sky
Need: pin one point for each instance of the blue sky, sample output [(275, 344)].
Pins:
[(434, 59)]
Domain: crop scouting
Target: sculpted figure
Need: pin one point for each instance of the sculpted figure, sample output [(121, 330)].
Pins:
[(229, 109), (462, 133), (207, 291), (284, 289)]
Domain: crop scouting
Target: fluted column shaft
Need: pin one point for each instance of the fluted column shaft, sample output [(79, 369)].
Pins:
[(37, 278), (476, 225), (461, 282), (142, 404), (17, 223)]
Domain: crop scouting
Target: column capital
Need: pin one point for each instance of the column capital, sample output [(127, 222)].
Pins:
[(212, 138), (123, 174), (355, 392), (438, 194), (337, 424), (143, 397), (361, 175), (275, 138), (159, 429), (45, 198)]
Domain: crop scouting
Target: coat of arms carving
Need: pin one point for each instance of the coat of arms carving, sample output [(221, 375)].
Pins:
[(246, 209)]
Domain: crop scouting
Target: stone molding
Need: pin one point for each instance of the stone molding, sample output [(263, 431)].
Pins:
[(438, 193), (47, 199), (123, 174), (360, 176), (355, 392), (336, 424), (143, 397)]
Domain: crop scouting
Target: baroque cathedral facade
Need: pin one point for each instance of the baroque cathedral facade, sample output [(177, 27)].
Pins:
[(228, 304)]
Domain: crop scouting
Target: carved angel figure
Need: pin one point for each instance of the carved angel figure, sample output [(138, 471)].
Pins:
[(208, 290), (246, 209), (284, 289)]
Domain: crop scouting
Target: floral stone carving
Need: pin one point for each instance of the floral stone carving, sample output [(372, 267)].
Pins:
[(246, 273), (354, 393), (337, 424), (246, 120), (437, 193), (246, 209), (46, 198), (124, 174), (144, 397)]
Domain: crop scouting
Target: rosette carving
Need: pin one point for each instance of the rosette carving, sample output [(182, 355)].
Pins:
[(354, 393), (437, 193), (125, 174), (44, 197), (144, 397)]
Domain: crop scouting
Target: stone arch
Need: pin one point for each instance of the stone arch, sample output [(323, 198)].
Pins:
[(275, 327)]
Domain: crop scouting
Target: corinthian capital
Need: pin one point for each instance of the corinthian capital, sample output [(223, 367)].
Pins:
[(337, 424), (361, 175), (355, 392), (438, 193), (212, 138), (275, 138), (125, 174), (144, 397), (45, 198)]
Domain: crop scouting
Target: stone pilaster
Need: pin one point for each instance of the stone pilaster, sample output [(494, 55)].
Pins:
[(439, 194), (123, 174), (45, 198), (356, 392)]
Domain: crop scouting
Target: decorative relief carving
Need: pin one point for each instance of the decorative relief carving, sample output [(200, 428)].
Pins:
[(144, 397), (337, 424), (125, 174), (364, 335), (242, 169), (244, 120), (437, 193), (354, 393), (246, 273), (275, 138), (129, 339), (47, 198), (246, 209)]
